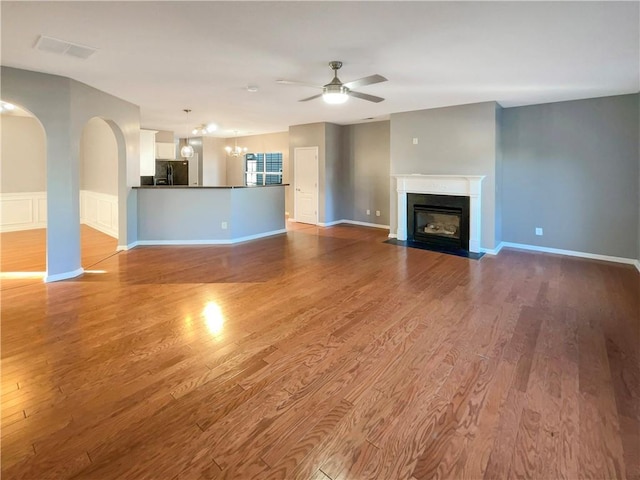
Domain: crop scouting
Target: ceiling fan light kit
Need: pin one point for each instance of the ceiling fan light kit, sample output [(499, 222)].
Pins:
[(336, 92)]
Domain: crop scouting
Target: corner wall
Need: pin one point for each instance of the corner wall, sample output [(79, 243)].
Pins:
[(366, 155)]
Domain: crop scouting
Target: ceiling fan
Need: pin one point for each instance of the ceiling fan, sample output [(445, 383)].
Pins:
[(337, 92)]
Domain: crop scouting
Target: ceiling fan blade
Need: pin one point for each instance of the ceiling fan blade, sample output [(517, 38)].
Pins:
[(294, 82), (310, 98), (366, 96), (361, 82)]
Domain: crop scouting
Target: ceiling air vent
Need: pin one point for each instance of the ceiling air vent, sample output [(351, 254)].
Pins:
[(55, 45)]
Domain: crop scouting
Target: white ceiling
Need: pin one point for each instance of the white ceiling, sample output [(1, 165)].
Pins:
[(166, 56)]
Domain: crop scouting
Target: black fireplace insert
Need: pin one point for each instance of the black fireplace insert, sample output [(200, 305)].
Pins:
[(441, 221)]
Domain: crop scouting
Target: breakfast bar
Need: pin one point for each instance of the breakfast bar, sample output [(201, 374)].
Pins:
[(191, 215)]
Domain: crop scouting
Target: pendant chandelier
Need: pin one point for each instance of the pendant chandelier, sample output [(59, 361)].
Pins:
[(187, 150), (235, 151)]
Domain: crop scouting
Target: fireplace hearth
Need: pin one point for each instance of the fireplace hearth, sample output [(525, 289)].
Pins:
[(440, 221)]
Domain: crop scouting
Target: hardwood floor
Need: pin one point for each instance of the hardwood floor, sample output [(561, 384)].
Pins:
[(23, 255), (323, 354)]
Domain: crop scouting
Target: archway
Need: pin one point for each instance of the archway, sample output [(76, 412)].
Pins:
[(23, 195), (100, 151)]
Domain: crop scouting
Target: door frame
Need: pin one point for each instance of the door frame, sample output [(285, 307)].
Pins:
[(295, 181)]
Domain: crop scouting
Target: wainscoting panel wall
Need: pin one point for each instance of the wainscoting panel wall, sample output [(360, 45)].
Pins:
[(99, 211), (23, 211)]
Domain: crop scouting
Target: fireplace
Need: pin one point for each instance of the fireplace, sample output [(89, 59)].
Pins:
[(451, 187), (440, 221)]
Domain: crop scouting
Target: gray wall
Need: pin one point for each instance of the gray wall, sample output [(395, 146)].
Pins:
[(335, 196), (23, 155), (452, 140), (366, 149), (192, 214), (353, 163), (257, 210), (64, 106), (338, 198), (572, 169), (98, 158)]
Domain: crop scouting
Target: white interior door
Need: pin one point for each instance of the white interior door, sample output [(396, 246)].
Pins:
[(306, 184)]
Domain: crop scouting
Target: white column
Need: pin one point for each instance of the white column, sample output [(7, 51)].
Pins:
[(401, 232)]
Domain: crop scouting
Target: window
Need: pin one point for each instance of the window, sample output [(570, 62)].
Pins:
[(263, 168)]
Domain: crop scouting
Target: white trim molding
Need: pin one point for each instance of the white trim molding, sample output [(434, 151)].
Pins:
[(493, 251), (572, 253), (366, 224), (63, 276), (458, 185), (329, 224), (637, 264), (229, 241), (354, 222), (23, 211), (99, 211)]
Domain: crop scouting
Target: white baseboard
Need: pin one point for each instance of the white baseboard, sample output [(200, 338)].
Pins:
[(366, 224), (493, 251), (571, 253), (329, 224), (352, 222), (230, 241), (23, 211), (392, 235), (99, 211), (63, 276), (637, 264)]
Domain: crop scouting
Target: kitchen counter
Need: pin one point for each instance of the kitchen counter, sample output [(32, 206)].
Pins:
[(186, 215)]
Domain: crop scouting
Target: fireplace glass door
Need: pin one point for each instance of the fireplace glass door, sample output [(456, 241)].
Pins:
[(439, 222)]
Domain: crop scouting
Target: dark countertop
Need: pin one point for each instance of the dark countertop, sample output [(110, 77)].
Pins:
[(205, 186)]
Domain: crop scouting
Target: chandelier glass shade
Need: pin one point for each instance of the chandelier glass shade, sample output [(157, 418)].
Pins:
[(187, 150)]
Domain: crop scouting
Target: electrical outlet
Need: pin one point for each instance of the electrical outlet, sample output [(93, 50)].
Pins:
[(223, 225), (368, 212), (415, 140), (377, 213), (539, 231)]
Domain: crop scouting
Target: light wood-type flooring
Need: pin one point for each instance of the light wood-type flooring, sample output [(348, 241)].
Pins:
[(323, 353), (23, 256)]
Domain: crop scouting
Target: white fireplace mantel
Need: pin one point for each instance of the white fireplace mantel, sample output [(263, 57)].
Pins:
[(459, 185)]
